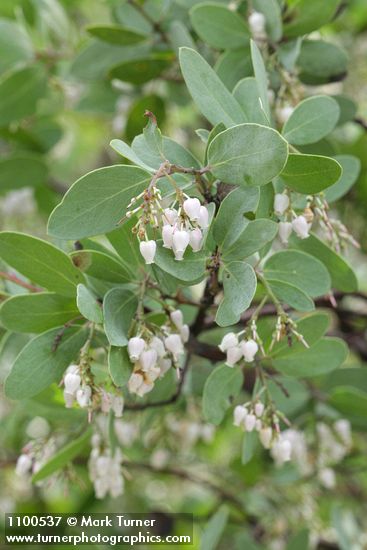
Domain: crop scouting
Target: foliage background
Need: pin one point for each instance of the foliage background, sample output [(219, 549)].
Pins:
[(65, 133)]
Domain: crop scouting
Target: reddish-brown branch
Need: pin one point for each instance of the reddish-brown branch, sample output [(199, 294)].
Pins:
[(19, 282)]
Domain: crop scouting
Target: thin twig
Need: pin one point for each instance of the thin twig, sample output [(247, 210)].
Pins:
[(19, 282)]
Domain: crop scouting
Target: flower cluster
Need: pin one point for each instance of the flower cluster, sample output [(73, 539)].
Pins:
[(255, 416), (237, 350), (38, 450), (301, 224), (105, 469), (80, 391), (180, 227), (154, 353)]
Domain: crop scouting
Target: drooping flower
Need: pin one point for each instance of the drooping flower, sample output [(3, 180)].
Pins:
[(301, 227), (192, 208), (249, 349), (148, 250), (281, 203), (284, 231)]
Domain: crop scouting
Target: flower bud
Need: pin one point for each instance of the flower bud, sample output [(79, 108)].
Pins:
[(281, 203), (72, 382), (301, 227), (196, 239), (24, 465), (203, 220), (256, 23), (135, 347), (281, 450), (233, 356), (239, 415), (284, 231), (327, 478), (148, 359), (259, 408), (167, 235), (250, 422), (177, 318), (180, 241), (169, 216), (148, 250), (83, 396), (192, 208), (229, 340), (265, 436), (249, 350), (284, 113)]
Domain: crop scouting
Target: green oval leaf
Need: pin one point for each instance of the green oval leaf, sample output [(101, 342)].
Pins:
[(218, 26), (97, 202), (310, 174), (190, 270), (207, 90), (88, 305), (290, 294), (298, 269), (247, 154), (38, 312), (115, 34), (101, 266), (351, 168), (119, 308), (253, 238), (21, 170), (38, 366), (239, 285), (119, 365), (312, 119), (222, 383), (41, 262)]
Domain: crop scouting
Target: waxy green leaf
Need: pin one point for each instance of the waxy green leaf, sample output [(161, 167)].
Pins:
[(119, 365), (223, 382), (351, 168), (97, 202), (37, 312), (239, 285), (218, 26), (261, 78), (253, 238), (38, 365), (115, 34), (209, 93), (248, 154), (41, 262), (310, 174), (88, 305), (101, 266), (247, 94), (190, 270), (312, 119), (119, 308)]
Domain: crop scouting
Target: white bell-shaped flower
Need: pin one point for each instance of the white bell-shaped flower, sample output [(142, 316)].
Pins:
[(185, 333), (301, 227), (266, 436), (180, 242), (157, 344), (233, 356), (24, 465), (71, 382), (196, 239), (144, 388), (249, 350), (173, 344), (167, 235), (164, 364), (203, 220), (169, 216), (118, 405), (327, 478), (83, 396), (192, 208), (106, 402), (281, 203), (259, 408), (229, 340), (239, 415), (148, 250), (73, 369), (135, 381), (284, 231), (69, 399), (148, 359), (250, 422), (258, 425), (152, 374), (281, 450), (257, 23), (177, 318), (135, 346)]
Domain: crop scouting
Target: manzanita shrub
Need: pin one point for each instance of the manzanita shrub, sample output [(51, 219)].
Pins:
[(176, 287)]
